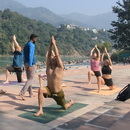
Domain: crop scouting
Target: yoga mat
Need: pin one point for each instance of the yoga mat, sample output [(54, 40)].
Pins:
[(51, 113), (105, 91), (11, 83)]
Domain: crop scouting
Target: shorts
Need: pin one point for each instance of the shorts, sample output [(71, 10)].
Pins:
[(108, 82), (58, 97), (97, 73), (18, 72)]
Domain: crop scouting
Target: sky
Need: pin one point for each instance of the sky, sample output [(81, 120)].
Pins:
[(87, 7)]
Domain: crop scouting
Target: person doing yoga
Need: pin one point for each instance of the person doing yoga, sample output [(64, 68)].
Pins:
[(95, 71), (106, 71), (54, 89)]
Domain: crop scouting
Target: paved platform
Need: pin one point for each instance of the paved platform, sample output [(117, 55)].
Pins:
[(102, 113)]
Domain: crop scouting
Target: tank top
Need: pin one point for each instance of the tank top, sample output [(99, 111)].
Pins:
[(106, 70), (95, 65)]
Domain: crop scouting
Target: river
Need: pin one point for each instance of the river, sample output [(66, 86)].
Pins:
[(4, 61)]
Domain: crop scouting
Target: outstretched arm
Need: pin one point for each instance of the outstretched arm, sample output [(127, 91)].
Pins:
[(16, 43), (13, 49), (91, 53), (59, 61), (108, 57), (48, 55), (98, 52)]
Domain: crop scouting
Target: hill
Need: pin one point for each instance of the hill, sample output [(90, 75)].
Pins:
[(98, 21), (69, 41), (39, 13)]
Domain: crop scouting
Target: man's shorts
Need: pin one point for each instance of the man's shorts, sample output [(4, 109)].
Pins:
[(18, 72), (11, 69), (58, 97)]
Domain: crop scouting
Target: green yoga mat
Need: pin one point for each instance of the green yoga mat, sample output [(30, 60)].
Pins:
[(51, 113)]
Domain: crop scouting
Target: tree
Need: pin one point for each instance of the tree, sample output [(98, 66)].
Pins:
[(114, 56), (121, 31), (103, 45), (68, 40)]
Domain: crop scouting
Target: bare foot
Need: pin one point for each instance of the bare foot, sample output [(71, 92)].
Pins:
[(38, 113), (2, 92), (63, 85), (24, 80), (33, 96), (6, 82), (99, 90), (71, 101), (22, 97), (89, 84), (113, 87)]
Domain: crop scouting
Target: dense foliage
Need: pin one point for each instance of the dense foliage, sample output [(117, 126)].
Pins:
[(68, 41), (121, 31), (103, 45)]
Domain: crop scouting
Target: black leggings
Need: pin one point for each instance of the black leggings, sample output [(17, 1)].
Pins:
[(108, 82), (19, 74), (17, 70)]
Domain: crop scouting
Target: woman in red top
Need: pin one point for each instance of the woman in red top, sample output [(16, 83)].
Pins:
[(95, 71)]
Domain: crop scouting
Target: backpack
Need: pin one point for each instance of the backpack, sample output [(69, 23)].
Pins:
[(124, 94)]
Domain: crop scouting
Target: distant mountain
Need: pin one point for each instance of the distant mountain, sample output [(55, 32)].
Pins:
[(39, 13), (45, 15), (98, 21), (74, 42)]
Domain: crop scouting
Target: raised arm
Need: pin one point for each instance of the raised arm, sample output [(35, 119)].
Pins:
[(109, 58), (91, 53), (48, 55), (12, 46), (102, 62), (16, 43), (98, 52), (59, 61)]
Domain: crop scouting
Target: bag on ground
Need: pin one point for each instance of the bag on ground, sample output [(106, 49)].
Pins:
[(124, 94)]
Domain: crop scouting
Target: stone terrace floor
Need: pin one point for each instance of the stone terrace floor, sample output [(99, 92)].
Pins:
[(102, 113)]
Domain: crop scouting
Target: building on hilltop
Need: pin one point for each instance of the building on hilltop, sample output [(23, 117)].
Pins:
[(71, 26), (94, 30), (95, 38)]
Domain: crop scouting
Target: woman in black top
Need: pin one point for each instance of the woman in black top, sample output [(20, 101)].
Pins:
[(106, 71)]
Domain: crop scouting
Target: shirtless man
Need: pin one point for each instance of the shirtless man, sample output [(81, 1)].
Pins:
[(54, 79)]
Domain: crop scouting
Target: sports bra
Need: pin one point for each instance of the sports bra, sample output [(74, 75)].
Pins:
[(106, 70)]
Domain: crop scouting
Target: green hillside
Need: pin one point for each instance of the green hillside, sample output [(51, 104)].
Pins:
[(69, 42)]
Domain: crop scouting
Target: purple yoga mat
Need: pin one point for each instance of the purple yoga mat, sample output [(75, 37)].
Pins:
[(11, 83)]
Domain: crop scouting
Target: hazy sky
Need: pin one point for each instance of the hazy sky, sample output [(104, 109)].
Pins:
[(88, 7)]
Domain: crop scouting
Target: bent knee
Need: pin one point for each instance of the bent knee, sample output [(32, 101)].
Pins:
[(89, 72), (42, 90)]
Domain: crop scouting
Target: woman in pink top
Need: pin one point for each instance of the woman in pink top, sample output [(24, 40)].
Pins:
[(95, 71)]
